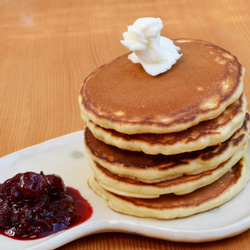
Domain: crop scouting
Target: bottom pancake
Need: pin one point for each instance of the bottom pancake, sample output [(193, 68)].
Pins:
[(172, 206)]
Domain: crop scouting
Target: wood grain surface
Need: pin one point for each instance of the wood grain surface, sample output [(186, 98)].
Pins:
[(47, 48)]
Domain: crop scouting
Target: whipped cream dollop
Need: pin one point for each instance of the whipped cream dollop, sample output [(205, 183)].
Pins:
[(155, 53)]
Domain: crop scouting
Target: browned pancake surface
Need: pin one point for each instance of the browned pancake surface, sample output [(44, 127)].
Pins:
[(204, 79)]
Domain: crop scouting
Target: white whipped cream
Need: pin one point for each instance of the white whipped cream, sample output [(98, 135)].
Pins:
[(155, 53)]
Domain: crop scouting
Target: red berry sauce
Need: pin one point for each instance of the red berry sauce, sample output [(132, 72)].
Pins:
[(36, 205)]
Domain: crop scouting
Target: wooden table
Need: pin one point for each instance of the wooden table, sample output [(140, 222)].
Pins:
[(47, 48)]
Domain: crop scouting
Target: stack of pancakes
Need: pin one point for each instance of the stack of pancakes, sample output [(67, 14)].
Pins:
[(172, 145)]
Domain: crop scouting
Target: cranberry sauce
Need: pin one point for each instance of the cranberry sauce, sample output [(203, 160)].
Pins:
[(36, 205)]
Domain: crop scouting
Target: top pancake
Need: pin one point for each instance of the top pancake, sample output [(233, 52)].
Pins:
[(122, 96)]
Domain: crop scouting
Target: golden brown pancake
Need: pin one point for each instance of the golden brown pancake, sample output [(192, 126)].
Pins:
[(151, 168), (122, 96), (204, 134), (172, 206)]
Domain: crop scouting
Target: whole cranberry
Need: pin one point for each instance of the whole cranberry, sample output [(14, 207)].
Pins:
[(8, 185), (55, 184), (31, 185)]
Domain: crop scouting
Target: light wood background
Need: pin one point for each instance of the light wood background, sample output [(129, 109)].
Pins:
[(47, 48)]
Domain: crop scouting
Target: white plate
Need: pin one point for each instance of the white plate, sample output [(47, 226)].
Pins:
[(65, 156)]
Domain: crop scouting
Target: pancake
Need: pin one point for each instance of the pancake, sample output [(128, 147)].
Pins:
[(151, 168), (182, 185), (122, 96), (172, 206), (204, 134)]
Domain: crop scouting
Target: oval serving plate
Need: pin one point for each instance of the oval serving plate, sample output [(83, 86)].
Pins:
[(65, 156)]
